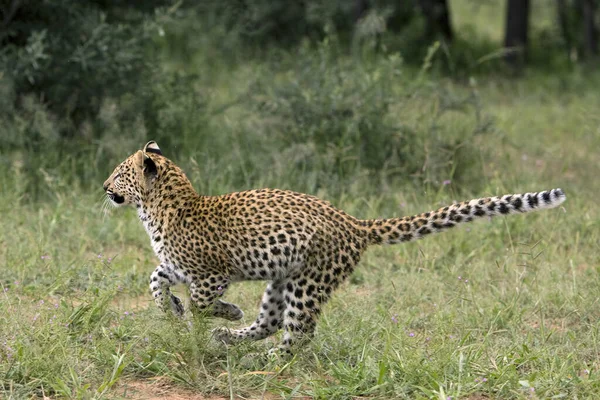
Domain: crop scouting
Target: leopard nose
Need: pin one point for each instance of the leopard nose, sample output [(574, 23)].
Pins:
[(105, 187)]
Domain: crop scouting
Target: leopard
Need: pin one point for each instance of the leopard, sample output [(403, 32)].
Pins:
[(303, 246)]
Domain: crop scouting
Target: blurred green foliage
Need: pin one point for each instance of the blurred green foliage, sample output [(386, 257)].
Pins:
[(73, 54), (303, 95)]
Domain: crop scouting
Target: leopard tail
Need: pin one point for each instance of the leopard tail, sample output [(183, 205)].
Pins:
[(406, 229)]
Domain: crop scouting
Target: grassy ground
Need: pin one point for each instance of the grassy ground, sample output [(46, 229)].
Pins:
[(500, 309), (506, 308)]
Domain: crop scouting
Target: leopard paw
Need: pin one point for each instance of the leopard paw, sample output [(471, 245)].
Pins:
[(228, 311), (177, 306), (222, 335)]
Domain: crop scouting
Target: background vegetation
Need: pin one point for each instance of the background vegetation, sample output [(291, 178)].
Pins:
[(371, 105)]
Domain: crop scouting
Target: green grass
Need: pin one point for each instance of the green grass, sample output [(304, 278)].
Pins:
[(505, 309), (500, 309)]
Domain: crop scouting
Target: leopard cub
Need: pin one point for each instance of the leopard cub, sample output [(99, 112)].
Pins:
[(303, 246)]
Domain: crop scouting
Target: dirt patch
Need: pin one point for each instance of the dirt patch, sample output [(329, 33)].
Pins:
[(555, 324), (156, 389), (361, 291), (161, 388)]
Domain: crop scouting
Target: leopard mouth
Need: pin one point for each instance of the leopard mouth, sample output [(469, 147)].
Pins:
[(117, 199)]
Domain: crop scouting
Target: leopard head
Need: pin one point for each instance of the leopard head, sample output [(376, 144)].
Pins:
[(132, 180)]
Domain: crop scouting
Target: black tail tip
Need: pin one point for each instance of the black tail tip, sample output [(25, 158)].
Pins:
[(558, 197), (558, 193)]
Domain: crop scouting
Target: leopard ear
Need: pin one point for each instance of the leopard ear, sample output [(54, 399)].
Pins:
[(152, 147), (148, 164), (149, 168)]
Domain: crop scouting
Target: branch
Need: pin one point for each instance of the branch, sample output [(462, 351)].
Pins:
[(14, 7)]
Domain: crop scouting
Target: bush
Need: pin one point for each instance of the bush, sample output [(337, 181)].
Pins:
[(73, 54), (285, 23), (343, 117), (75, 75), (49, 157), (309, 119)]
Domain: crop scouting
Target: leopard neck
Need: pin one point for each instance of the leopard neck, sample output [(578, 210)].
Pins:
[(165, 202)]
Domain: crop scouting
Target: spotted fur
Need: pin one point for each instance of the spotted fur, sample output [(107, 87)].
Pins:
[(302, 245)]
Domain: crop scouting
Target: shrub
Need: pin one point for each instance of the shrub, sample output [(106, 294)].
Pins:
[(343, 117), (73, 54), (309, 119)]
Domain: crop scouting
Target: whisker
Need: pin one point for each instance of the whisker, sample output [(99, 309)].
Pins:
[(106, 205), (100, 201)]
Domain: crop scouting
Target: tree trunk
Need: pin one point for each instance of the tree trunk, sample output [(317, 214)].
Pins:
[(437, 15), (360, 8), (563, 21), (8, 13), (590, 32), (515, 35)]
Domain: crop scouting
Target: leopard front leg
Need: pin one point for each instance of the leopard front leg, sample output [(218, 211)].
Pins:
[(161, 280), (205, 292)]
